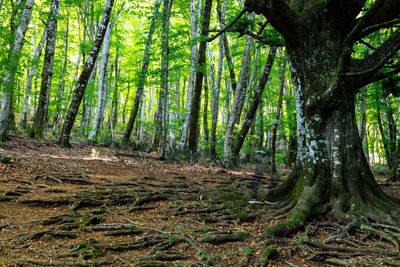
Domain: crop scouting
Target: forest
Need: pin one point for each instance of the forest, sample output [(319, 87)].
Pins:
[(199, 133)]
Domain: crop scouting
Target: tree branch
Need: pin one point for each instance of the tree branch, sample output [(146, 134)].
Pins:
[(264, 40), (361, 71), (373, 28), (387, 12), (279, 14), (212, 38)]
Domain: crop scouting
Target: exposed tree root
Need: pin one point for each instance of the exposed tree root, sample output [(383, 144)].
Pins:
[(56, 234), (217, 238)]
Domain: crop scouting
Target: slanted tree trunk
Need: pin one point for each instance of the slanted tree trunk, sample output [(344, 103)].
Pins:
[(84, 77), (195, 107), (335, 178), (102, 89), (238, 102), (278, 114), (142, 75), (250, 115), (29, 79), (194, 22), (11, 68), (47, 73)]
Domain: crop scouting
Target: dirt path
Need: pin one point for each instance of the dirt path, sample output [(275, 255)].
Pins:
[(93, 206)]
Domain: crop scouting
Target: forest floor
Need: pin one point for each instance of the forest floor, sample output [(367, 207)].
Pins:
[(97, 206)]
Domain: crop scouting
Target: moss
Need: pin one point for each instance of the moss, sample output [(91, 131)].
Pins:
[(88, 220), (283, 229), (268, 254)]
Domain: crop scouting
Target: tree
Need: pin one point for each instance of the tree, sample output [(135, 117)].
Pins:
[(195, 107), (160, 123), (142, 75), (238, 102), (250, 115), (335, 177), (102, 89), (84, 77), (47, 73), (11, 68), (31, 73), (278, 114), (194, 23)]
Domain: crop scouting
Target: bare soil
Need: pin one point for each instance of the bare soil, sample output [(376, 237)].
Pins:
[(97, 206)]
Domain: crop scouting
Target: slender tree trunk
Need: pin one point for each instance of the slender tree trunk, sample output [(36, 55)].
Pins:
[(238, 103), (84, 77), (206, 133), (194, 22), (385, 141), (392, 130), (363, 122), (102, 90), (195, 107), (116, 89), (47, 73), (216, 92), (126, 102), (143, 75), (10, 70), (278, 114), (29, 79), (164, 75), (250, 115), (261, 128)]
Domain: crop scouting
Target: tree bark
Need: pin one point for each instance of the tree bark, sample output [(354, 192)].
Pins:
[(194, 22), (102, 89), (143, 75), (84, 77), (195, 107), (165, 75), (216, 93), (11, 68), (29, 79), (363, 121), (250, 115), (47, 73), (238, 103), (278, 114)]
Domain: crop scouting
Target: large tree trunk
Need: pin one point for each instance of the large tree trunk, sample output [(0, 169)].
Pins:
[(11, 68), (143, 75), (47, 73), (84, 77)]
